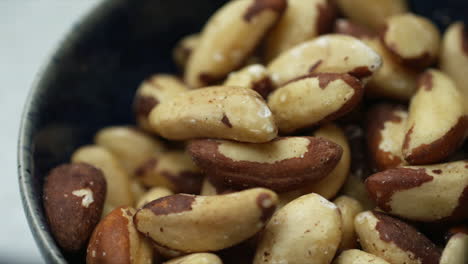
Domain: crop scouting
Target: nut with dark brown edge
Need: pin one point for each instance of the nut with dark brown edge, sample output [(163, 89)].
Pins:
[(334, 53), (153, 91), (423, 193), (173, 170), (73, 200), (115, 240), (303, 20), (229, 37), (455, 252), (196, 258), (386, 125), (190, 223), (314, 99), (153, 194), (394, 240), (308, 228), (281, 165), (437, 124), (253, 77)]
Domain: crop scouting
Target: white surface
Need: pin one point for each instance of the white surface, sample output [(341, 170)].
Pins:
[(29, 32)]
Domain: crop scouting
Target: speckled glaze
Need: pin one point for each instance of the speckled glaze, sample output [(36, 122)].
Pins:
[(89, 83)]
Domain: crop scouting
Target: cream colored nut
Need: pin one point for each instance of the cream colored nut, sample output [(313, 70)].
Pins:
[(229, 37), (372, 13), (137, 189), (456, 250), (330, 53), (349, 208), (118, 181), (115, 240), (283, 164), (329, 186), (303, 20), (129, 145), (191, 223), (355, 256), (173, 170), (423, 193), (196, 258), (217, 112), (454, 57), (153, 194), (314, 99), (436, 124), (386, 126), (153, 91), (307, 229), (254, 77), (394, 240), (413, 39), (184, 49)]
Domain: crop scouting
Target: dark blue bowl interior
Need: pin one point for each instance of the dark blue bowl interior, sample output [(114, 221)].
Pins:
[(90, 82)]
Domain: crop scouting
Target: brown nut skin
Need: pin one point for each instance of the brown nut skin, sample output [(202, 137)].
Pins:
[(229, 37), (349, 208), (454, 56), (190, 223), (334, 53), (196, 258), (371, 13), (153, 91), (184, 48), (303, 20), (394, 240), (129, 145), (386, 125), (73, 201), (436, 124), (173, 170), (314, 99), (226, 112), (455, 251), (423, 193), (347, 27), (115, 240), (355, 256), (415, 40), (282, 165), (255, 77), (307, 230)]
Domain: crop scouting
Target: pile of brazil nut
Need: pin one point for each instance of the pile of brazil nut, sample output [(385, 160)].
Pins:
[(300, 131)]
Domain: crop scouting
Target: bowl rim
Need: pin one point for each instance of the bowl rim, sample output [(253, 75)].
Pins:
[(49, 249)]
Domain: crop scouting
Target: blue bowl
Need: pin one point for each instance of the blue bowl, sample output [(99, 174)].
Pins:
[(90, 81)]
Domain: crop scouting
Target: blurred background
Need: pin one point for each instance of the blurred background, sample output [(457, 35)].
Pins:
[(29, 32)]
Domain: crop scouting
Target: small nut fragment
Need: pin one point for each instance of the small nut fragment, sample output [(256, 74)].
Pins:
[(282, 164), (313, 99), (355, 256), (330, 53), (254, 77), (454, 56), (423, 193), (386, 125), (394, 240), (229, 37), (413, 39), (173, 170), (329, 186), (216, 112), (303, 20), (118, 183), (190, 223), (184, 48), (372, 13), (153, 91), (456, 250), (436, 124), (115, 240), (129, 145), (153, 194), (307, 229), (196, 258), (349, 208), (73, 201)]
